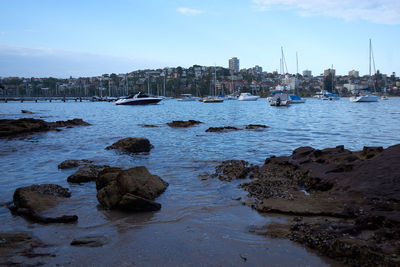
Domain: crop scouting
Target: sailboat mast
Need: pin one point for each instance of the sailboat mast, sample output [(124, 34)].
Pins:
[(148, 84), (370, 58), (215, 80)]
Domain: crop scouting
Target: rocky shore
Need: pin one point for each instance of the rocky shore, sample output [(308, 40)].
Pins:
[(344, 204)]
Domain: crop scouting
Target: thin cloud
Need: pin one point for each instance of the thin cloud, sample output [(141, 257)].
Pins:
[(189, 11), (376, 11)]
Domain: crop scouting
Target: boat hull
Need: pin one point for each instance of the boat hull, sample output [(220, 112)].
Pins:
[(364, 98), (139, 102)]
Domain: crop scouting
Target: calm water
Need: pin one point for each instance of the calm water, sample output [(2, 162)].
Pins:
[(200, 223)]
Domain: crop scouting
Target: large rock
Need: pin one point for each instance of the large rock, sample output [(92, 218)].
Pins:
[(86, 174), (30, 201), (183, 124), (129, 190), (132, 145), (140, 182), (73, 163), (11, 128), (349, 202)]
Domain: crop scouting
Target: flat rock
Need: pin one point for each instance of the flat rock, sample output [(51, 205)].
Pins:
[(86, 174), (256, 126), (132, 145), (30, 201), (12, 128), (344, 204), (73, 163), (183, 124), (222, 129)]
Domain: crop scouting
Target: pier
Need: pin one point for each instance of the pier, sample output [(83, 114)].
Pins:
[(50, 99)]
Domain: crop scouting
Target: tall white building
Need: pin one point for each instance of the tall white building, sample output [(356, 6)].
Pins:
[(354, 73), (234, 64)]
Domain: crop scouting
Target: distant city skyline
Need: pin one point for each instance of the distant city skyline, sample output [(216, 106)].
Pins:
[(72, 38)]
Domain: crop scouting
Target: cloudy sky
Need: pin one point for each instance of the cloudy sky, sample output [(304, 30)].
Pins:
[(85, 38)]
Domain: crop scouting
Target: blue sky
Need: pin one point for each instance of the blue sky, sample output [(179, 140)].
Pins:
[(87, 38)]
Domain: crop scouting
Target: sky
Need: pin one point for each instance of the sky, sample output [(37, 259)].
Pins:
[(80, 38)]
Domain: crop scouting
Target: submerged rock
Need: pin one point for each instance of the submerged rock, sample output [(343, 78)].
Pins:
[(222, 129), (89, 241), (348, 201), (183, 124), (256, 126), (30, 201), (26, 111), (73, 163), (86, 174), (132, 145), (10, 128), (129, 190), (21, 244)]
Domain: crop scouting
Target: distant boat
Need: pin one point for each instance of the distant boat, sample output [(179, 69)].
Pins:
[(325, 95), (138, 99), (364, 96), (231, 97), (187, 97), (279, 98), (214, 99), (248, 97), (295, 99)]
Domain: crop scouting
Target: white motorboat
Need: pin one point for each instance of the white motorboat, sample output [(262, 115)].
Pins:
[(364, 98), (187, 97), (138, 99), (279, 99), (247, 97)]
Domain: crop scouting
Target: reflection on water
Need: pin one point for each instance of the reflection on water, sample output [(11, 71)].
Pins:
[(200, 222)]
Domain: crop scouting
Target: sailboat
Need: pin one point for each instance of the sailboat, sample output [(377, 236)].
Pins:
[(295, 99), (215, 98), (279, 98), (363, 97)]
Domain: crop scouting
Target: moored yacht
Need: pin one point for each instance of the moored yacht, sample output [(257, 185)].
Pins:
[(138, 99), (247, 97), (187, 97), (364, 98)]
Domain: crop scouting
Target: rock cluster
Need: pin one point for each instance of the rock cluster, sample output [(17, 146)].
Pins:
[(132, 145), (11, 128), (346, 203), (129, 190), (183, 124), (31, 201)]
